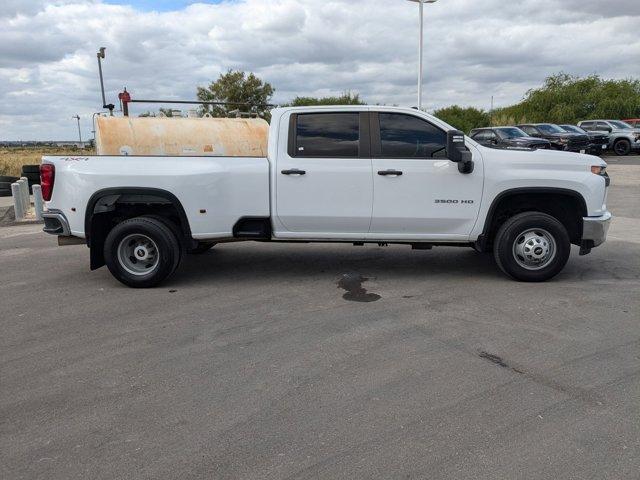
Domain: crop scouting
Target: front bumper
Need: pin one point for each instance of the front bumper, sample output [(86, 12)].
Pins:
[(594, 230), (55, 223)]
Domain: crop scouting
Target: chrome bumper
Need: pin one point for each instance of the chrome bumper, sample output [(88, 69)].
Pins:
[(55, 223), (594, 230)]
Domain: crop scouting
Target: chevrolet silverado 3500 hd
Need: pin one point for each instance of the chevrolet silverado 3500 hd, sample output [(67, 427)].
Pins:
[(332, 174)]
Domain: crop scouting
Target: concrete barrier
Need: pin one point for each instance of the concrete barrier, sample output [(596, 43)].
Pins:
[(25, 193), (38, 202), (18, 200)]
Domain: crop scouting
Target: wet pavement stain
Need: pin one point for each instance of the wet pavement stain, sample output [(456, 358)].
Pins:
[(355, 292)]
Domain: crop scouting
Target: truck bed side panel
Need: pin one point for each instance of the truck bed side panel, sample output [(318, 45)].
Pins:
[(226, 188)]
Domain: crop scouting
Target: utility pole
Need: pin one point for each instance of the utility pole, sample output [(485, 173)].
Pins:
[(77, 117), (420, 47)]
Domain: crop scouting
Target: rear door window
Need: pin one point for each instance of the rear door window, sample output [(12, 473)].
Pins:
[(327, 135)]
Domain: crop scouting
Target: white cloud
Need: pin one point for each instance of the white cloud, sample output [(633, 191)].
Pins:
[(48, 67)]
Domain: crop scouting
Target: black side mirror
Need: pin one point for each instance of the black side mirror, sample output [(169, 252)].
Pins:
[(458, 152)]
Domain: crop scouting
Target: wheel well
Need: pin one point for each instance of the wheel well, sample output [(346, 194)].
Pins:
[(567, 206), (107, 208)]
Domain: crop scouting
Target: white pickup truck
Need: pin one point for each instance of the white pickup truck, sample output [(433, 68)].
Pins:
[(332, 174)]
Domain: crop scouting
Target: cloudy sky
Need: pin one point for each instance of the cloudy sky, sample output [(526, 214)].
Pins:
[(164, 49)]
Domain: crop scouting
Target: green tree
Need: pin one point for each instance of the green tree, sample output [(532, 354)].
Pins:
[(236, 88), (463, 118), (347, 98), (568, 99)]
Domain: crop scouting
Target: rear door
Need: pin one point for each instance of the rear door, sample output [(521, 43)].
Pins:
[(418, 192), (324, 186)]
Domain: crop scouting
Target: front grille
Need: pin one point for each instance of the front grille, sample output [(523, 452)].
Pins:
[(580, 142), (600, 140)]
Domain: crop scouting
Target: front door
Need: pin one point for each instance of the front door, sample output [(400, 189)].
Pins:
[(324, 185), (418, 192)]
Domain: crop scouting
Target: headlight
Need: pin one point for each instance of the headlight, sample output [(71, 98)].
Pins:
[(599, 170), (563, 140)]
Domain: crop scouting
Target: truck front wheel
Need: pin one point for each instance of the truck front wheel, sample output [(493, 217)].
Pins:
[(141, 252), (622, 147), (532, 247)]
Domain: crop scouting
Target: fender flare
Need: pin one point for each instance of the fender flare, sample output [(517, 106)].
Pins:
[(104, 201), (488, 221)]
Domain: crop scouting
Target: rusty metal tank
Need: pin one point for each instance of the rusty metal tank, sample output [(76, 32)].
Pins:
[(233, 137)]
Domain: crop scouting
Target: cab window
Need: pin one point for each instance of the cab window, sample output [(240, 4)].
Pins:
[(327, 135), (406, 136)]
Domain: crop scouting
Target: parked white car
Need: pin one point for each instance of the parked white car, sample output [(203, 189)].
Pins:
[(333, 174)]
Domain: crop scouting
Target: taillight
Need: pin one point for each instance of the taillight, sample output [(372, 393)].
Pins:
[(47, 177)]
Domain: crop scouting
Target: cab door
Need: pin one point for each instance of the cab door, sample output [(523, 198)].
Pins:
[(418, 192), (323, 181)]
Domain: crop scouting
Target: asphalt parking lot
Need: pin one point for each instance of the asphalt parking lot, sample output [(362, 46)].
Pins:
[(265, 361)]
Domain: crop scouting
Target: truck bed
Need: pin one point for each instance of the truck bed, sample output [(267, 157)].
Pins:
[(214, 191)]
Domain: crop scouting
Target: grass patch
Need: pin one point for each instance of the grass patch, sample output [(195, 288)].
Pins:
[(13, 158)]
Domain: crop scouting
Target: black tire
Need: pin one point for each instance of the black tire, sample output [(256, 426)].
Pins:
[(30, 169), (9, 180), (163, 241), (203, 247), (622, 147), (544, 233)]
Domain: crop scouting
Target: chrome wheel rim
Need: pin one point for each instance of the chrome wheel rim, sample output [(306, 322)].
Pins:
[(138, 254), (534, 249)]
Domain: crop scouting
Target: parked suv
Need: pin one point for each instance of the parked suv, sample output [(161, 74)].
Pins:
[(507, 137), (560, 140), (623, 138), (599, 141)]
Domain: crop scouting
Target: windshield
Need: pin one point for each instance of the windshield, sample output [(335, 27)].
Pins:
[(549, 128), (620, 125), (511, 132), (572, 129)]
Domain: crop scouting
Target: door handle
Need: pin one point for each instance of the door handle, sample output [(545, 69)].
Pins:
[(293, 171), (395, 173)]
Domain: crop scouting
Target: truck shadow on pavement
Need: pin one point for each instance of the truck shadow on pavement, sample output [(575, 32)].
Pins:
[(278, 262)]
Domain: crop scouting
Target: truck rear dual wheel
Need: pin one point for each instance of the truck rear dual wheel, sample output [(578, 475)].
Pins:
[(142, 252), (532, 247)]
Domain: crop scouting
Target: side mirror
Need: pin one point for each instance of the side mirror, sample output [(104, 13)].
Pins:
[(458, 152)]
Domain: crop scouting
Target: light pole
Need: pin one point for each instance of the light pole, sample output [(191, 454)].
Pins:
[(100, 56), (77, 117), (421, 10)]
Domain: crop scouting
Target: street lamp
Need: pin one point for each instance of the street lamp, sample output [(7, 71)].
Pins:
[(421, 3), (100, 56)]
